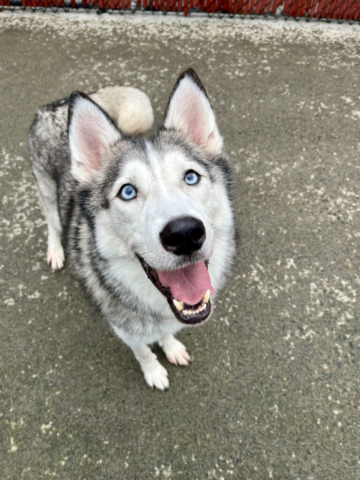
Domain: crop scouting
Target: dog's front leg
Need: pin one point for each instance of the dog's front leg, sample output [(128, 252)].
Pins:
[(174, 350), (155, 374)]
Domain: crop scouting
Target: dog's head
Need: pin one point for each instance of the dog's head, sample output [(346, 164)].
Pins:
[(163, 201)]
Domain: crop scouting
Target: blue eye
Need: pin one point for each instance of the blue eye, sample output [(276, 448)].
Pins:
[(191, 178), (127, 192)]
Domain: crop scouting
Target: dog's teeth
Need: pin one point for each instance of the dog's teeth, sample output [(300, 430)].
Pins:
[(178, 305), (206, 297)]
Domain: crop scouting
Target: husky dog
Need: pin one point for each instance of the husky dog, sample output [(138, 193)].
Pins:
[(147, 225)]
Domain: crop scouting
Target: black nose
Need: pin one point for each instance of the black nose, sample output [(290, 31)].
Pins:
[(183, 236)]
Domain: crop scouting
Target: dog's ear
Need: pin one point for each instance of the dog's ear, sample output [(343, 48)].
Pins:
[(91, 132), (189, 111)]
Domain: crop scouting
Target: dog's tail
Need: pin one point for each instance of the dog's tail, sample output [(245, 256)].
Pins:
[(129, 107)]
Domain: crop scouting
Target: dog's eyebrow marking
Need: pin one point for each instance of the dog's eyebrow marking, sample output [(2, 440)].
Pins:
[(133, 149), (163, 143), (191, 155), (112, 175)]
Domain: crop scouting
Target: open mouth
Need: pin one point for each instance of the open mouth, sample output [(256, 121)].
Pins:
[(187, 290)]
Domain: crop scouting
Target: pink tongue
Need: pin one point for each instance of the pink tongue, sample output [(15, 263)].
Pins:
[(188, 284)]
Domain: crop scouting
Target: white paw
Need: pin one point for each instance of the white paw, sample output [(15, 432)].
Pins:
[(55, 257), (175, 351), (156, 375)]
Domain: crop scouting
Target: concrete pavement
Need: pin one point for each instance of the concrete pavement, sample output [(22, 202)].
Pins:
[(273, 391)]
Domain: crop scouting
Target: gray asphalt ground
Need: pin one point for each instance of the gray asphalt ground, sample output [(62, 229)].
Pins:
[(273, 390)]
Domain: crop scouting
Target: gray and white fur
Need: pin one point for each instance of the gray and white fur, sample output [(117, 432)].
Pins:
[(82, 157)]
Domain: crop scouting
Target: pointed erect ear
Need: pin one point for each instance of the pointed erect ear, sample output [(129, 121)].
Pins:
[(189, 111), (91, 133)]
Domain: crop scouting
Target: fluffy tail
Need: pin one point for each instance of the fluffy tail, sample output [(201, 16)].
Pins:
[(129, 107)]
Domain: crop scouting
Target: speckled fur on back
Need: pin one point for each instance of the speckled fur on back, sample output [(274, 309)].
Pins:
[(102, 240)]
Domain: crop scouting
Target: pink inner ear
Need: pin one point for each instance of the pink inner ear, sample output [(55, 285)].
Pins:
[(92, 148), (191, 113), (90, 134), (91, 137), (193, 116)]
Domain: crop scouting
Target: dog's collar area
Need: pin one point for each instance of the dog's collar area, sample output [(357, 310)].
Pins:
[(188, 314)]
